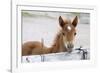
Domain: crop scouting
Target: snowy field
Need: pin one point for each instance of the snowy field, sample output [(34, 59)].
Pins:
[(45, 26)]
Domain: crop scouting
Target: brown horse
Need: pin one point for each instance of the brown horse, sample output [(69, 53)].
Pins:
[(63, 41)]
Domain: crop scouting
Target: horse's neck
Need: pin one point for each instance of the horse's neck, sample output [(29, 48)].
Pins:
[(58, 45)]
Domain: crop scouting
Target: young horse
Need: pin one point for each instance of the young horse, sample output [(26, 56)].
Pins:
[(63, 41)]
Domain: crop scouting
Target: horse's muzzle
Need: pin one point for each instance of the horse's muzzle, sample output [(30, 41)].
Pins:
[(70, 47)]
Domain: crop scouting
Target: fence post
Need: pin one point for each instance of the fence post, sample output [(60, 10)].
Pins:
[(42, 55)]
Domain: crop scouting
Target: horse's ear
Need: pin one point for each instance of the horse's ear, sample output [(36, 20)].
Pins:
[(61, 22), (75, 21)]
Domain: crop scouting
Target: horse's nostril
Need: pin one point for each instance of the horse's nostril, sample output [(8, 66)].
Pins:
[(70, 46)]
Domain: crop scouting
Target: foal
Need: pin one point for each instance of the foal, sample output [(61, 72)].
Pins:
[(63, 41)]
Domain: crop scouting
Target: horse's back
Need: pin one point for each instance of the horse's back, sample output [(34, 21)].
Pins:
[(27, 47)]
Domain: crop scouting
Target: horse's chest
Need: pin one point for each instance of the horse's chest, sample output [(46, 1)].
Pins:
[(62, 49)]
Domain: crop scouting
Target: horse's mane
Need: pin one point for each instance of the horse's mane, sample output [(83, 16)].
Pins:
[(56, 40)]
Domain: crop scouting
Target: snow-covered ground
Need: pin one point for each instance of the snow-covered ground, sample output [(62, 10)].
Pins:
[(46, 27)]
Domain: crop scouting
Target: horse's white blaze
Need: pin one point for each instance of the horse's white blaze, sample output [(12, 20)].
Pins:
[(65, 42), (69, 28)]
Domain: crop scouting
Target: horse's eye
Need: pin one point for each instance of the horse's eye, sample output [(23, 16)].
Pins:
[(63, 33), (75, 33)]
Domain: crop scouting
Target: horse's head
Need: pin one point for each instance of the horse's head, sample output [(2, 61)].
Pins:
[(68, 31)]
